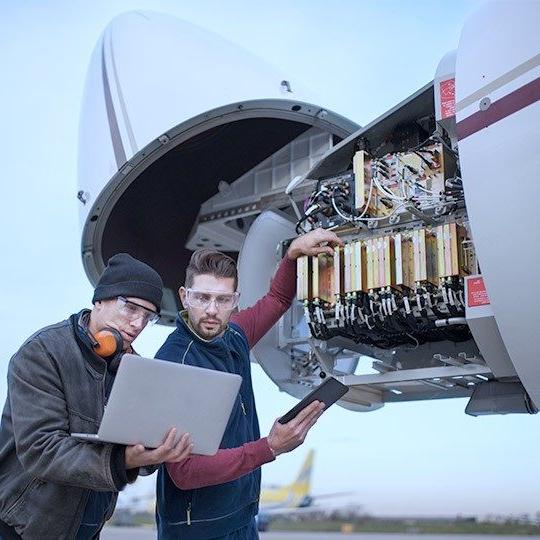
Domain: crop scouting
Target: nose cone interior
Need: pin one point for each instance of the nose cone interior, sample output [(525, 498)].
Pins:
[(154, 216), (151, 206)]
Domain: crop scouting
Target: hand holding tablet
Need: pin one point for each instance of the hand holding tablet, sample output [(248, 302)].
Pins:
[(328, 393), (289, 431)]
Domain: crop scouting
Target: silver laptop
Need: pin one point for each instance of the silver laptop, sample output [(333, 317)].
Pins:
[(150, 396)]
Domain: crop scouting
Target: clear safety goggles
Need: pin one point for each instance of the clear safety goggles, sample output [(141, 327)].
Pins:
[(133, 311), (203, 299)]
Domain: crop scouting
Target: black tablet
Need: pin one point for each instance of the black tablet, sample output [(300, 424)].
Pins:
[(328, 392)]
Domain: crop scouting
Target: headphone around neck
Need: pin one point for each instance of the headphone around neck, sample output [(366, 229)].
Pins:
[(107, 342)]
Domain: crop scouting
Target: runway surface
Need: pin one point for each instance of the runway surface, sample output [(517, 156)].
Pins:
[(128, 533)]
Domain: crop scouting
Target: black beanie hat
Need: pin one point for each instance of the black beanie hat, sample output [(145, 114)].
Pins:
[(126, 276)]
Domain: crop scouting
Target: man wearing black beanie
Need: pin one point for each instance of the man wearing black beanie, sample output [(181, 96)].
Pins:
[(52, 485)]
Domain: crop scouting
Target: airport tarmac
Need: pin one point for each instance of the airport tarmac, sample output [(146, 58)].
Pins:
[(133, 533)]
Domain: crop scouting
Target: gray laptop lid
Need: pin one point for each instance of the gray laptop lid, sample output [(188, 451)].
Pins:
[(149, 396)]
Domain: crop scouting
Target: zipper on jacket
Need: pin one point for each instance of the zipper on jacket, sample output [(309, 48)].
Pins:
[(243, 406), (232, 361), (188, 514)]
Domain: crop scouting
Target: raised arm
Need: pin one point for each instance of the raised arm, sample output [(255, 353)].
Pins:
[(258, 319)]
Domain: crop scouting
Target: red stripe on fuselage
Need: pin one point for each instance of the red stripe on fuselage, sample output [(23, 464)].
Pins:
[(507, 105)]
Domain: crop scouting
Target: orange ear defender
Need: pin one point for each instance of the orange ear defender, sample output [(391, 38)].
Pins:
[(108, 342)]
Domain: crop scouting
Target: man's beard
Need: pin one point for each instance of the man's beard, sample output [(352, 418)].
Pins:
[(206, 333)]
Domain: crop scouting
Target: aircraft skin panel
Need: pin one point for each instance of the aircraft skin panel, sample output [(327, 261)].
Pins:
[(94, 137), (134, 93), (498, 87)]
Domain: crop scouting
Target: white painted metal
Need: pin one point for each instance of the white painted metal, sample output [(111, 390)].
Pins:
[(486, 334), (150, 72), (500, 172), (444, 81)]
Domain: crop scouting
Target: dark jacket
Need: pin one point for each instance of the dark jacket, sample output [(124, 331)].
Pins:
[(216, 510), (56, 386)]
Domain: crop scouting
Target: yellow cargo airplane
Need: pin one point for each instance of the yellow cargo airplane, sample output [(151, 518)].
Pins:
[(294, 498), (276, 501), (295, 495)]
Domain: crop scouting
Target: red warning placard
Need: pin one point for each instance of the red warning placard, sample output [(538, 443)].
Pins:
[(476, 292), (448, 98)]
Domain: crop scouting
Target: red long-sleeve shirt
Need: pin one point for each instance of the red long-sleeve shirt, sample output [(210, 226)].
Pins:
[(232, 463)]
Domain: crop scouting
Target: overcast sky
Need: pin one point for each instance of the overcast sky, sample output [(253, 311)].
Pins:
[(362, 58)]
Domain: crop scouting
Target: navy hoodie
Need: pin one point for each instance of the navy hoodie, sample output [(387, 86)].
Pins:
[(212, 511)]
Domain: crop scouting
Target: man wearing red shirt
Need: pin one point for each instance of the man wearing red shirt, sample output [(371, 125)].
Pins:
[(217, 496)]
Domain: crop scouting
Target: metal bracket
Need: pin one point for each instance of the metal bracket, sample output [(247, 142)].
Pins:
[(326, 360), (411, 375), (420, 215)]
